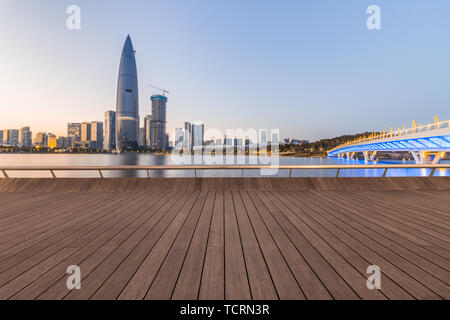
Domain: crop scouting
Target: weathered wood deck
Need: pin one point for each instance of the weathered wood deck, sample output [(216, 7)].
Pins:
[(230, 238)]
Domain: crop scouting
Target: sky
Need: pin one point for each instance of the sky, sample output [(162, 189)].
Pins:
[(311, 69)]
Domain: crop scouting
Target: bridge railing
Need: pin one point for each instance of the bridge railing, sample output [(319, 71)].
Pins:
[(242, 168), (398, 133)]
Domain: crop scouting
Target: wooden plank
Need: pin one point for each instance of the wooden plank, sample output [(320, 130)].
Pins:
[(213, 278), (22, 216), (93, 260), (427, 206), (420, 235), (260, 280), (189, 280), (414, 280), (340, 266), (169, 275), (402, 214), (236, 279), (420, 247), (276, 254), (148, 265), (10, 266), (248, 241), (303, 215), (25, 231), (95, 281), (83, 244)]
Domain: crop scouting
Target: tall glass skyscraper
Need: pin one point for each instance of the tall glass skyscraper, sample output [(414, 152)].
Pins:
[(158, 122), (127, 109)]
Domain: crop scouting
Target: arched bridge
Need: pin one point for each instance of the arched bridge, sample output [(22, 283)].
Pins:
[(427, 143)]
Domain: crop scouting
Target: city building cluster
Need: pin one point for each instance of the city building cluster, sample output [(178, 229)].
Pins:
[(121, 129)]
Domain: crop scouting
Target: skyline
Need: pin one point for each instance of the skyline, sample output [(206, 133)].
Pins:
[(244, 72)]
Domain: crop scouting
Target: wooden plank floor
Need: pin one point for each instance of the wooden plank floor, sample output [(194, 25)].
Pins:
[(254, 240)]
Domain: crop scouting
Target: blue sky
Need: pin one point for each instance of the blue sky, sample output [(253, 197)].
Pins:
[(309, 68)]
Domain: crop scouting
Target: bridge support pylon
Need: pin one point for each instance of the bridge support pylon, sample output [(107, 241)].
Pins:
[(350, 155), (423, 157), (369, 156)]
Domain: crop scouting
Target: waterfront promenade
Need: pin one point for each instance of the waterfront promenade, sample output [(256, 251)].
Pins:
[(225, 238)]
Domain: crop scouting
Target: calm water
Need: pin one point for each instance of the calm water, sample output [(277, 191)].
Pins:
[(147, 159)]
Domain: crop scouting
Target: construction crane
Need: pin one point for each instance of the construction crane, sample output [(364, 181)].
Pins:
[(162, 90)]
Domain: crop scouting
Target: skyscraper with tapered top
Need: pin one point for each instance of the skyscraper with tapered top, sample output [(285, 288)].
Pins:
[(127, 109)]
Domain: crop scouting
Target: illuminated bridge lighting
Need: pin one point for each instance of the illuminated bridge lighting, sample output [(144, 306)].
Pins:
[(426, 143), (441, 143)]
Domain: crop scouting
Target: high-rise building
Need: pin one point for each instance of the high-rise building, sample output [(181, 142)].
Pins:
[(158, 121), (85, 133), (198, 132), (63, 142), (25, 139), (179, 137), (275, 138), (41, 139), (263, 137), (51, 140), (187, 135), (166, 140), (1, 137), (11, 137), (74, 132), (127, 108), (110, 130), (96, 135), (227, 141), (148, 130), (142, 137)]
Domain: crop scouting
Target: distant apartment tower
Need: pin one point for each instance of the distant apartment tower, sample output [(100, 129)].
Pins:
[(148, 130), (227, 141), (110, 130), (11, 137), (142, 137), (1, 137), (51, 140), (237, 142), (74, 132), (25, 139), (85, 133), (63, 142), (166, 140), (41, 139), (263, 137), (187, 135), (158, 122), (275, 138), (179, 137), (96, 135), (198, 133)]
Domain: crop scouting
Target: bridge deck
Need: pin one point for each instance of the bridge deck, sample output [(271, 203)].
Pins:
[(225, 238)]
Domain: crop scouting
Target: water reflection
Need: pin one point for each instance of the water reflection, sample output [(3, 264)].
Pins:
[(137, 159)]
